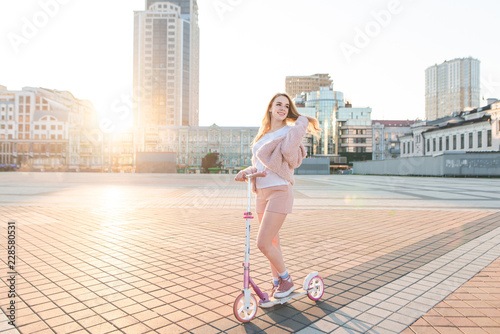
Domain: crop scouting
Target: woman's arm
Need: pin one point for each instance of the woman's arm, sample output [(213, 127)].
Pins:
[(290, 147)]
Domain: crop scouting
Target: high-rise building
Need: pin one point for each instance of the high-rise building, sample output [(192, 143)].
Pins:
[(451, 86), (166, 64), (295, 85)]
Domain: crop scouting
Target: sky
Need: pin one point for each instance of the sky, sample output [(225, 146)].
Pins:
[(376, 51)]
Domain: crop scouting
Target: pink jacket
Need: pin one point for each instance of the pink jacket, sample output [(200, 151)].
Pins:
[(283, 154)]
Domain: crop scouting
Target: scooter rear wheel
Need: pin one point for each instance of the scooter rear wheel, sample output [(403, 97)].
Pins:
[(239, 308), (316, 282)]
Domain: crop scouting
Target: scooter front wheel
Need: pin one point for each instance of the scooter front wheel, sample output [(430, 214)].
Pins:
[(239, 310), (317, 284)]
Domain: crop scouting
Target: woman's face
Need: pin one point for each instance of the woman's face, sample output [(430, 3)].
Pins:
[(279, 109)]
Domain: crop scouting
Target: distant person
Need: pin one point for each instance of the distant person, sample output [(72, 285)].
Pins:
[(278, 150)]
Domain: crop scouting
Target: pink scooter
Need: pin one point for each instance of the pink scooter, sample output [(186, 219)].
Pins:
[(245, 305)]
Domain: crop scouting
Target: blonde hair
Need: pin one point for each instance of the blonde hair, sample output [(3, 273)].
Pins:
[(313, 127)]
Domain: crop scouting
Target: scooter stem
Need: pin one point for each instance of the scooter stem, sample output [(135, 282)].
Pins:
[(248, 217)]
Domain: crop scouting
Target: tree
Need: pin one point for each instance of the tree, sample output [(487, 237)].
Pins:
[(210, 161)]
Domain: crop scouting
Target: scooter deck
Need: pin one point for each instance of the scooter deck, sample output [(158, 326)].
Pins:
[(280, 301)]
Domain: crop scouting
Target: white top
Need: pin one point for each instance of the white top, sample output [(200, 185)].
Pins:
[(271, 179)]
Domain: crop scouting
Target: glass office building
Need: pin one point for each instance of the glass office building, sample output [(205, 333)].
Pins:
[(323, 104)]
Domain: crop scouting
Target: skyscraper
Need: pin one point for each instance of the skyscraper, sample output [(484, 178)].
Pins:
[(166, 64), (451, 86)]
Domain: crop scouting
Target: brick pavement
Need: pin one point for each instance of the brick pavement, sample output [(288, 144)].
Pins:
[(162, 254), (472, 308)]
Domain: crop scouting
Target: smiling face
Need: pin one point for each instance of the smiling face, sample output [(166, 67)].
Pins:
[(279, 109)]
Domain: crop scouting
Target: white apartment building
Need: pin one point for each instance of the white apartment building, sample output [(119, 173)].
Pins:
[(476, 130), (353, 130), (451, 86), (47, 129), (386, 136)]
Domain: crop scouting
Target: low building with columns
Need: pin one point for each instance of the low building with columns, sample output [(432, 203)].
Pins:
[(191, 144), (474, 130)]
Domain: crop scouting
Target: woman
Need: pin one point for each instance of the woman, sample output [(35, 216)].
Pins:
[(278, 150)]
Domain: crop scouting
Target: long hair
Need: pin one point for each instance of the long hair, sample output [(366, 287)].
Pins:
[(313, 127)]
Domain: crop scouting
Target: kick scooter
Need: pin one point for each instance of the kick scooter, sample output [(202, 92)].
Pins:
[(245, 305)]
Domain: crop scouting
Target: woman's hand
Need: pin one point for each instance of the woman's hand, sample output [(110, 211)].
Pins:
[(240, 176)]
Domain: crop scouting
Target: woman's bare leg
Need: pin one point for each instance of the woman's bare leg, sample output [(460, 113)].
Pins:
[(276, 243), (270, 225)]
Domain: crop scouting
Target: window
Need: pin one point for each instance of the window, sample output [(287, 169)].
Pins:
[(434, 144), (488, 138), (447, 143), (440, 143), (471, 140), (454, 142), (462, 141), (428, 145), (480, 139)]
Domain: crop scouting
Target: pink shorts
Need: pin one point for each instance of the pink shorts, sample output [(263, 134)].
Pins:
[(277, 199)]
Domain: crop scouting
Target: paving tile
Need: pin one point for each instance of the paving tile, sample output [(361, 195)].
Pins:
[(171, 329), (323, 325), (448, 330), (205, 329)]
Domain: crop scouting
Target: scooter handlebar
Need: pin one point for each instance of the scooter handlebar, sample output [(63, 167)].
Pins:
[(254, 175)]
